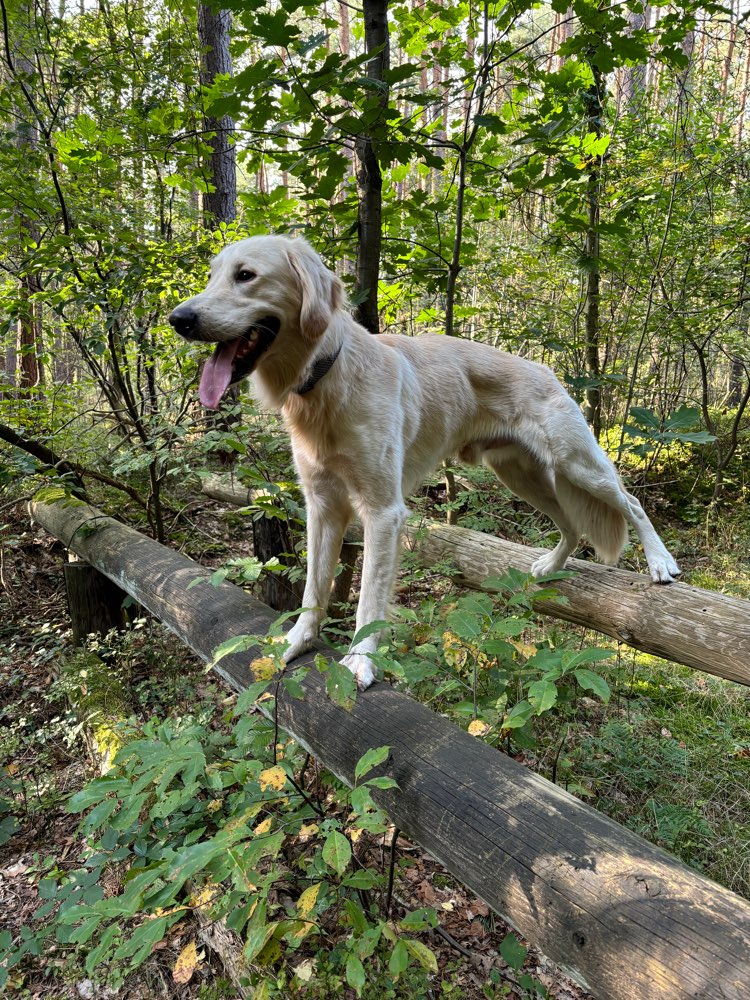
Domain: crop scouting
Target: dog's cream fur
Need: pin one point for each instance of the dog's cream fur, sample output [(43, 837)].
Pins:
[(389, 411)]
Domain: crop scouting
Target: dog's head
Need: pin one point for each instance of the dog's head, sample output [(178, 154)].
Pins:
[(266, 296)]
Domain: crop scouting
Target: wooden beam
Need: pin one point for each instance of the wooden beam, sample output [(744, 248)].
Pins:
[(698, 628), (630, 921)]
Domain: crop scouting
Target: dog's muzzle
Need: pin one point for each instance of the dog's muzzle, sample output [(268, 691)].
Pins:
[(232, 360)]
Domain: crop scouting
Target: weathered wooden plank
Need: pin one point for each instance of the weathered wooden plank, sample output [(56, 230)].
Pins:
[(630, 921), (698, 628)]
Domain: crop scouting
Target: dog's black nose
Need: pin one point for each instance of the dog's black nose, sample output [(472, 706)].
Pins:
[(185, 321)]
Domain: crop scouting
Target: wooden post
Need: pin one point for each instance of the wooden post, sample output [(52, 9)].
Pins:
[(631, 921), (270, 539), (94, 601)]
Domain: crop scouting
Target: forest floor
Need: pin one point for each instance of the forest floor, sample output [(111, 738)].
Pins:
[(669, 756), (47, 756)]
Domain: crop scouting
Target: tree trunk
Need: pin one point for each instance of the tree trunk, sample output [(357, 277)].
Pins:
[(219, 204), (369, 177), (595, 98)]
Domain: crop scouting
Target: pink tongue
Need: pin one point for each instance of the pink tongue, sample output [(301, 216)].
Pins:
[(217, 373)]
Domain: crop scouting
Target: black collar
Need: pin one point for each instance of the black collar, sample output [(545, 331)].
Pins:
[(321, 367)]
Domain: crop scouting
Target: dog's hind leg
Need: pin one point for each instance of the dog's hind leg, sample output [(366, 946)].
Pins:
[(599, 479), (532, 482), (328, 513)]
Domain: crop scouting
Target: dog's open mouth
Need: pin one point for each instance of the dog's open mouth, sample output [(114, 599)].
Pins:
[(234, 360)]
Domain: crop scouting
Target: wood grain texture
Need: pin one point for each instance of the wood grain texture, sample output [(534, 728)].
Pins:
[(627, 919), (698, 628)]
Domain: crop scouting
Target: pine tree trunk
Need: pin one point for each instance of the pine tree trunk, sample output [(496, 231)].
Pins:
[(219, 205), (369, 177), (595, 101)]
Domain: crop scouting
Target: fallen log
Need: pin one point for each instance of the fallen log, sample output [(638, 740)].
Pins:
[(630, 921), (698, 628)]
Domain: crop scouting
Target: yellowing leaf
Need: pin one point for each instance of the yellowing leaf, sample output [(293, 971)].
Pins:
[(204, 896), (263, 668), (308, 899), (308, 830), (244, 818), (187, 962), (478, 728), (422, 953), (525, 650), (263, 827), (272, 777)]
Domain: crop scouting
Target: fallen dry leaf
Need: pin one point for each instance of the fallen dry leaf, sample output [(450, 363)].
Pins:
[(187, 962)]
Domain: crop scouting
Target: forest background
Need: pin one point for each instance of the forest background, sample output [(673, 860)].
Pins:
[(567, 182)]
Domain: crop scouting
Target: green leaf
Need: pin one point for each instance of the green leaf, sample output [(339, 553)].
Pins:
[(422, 919), (399, 959), (8, 827), (593, 655), (356, 916), (518, 716), (237, 644), (337, 852), (590, 681), (47, 888), (382, 782), (513, 952), (142, 940), (371, 628), (249, 696), (361, 799), (543, 695), (341, 685), (258, 932), (465, 624), (369, 760), (95, 791), (355, 973), (361, 880)]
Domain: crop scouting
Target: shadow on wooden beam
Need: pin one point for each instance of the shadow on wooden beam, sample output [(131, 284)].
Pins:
[(627, 919)]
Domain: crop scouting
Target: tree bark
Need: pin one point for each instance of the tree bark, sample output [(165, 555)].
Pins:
[(595, 98), (219, 204), (369, 177)]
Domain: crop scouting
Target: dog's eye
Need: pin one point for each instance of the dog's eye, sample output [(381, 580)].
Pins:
[(246, 275)]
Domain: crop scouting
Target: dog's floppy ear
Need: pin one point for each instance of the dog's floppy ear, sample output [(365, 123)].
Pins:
[(321, 291)]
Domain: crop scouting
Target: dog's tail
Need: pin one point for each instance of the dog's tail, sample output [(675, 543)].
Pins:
[(605, 527)]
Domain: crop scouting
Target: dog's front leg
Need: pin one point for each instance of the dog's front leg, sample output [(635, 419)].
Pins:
[(328, 514), (382, 544)]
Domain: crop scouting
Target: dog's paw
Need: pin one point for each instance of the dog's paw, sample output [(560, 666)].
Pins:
[(549, 563), (300, 639), (663, 568), (360, 665)]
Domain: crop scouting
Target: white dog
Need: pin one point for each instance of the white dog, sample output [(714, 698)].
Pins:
[(371, 416)]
